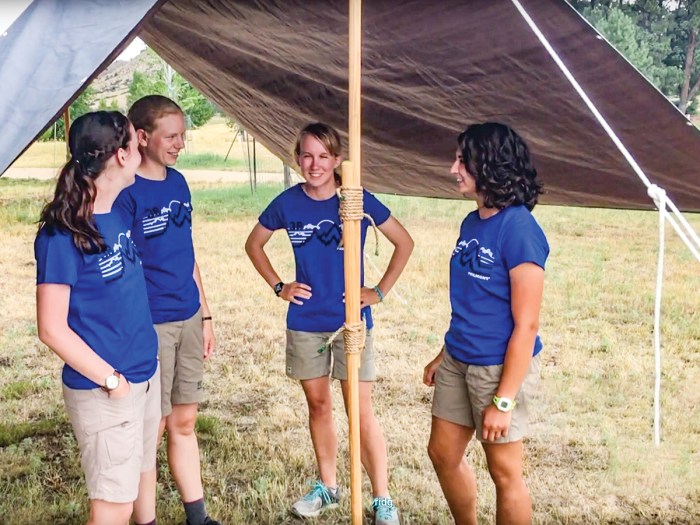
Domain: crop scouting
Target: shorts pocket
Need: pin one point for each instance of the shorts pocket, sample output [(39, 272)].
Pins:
[(114, 429)]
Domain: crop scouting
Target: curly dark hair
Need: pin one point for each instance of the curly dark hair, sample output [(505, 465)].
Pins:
[(93, 139), (498, 158)]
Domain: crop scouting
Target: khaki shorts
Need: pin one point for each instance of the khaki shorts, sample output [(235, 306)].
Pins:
[(463, 391), (309, 358), (117, 438), (181, 354)]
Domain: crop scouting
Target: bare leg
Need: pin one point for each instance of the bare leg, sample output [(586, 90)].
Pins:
[(107, 513), (448, 441), (322, 428), (372, 442), (513, 503), (183, 451)]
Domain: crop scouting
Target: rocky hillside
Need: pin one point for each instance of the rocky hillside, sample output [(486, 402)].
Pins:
[(113, 83)]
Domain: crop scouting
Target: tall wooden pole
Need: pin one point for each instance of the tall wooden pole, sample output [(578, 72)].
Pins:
[(66, 129), (353, 251)]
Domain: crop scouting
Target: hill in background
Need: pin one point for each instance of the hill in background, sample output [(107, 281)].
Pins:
[(113, 83)]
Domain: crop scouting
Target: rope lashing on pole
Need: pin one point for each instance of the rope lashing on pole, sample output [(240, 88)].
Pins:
[(351, 209), (354, 336)]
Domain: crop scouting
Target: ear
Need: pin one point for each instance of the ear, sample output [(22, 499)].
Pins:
[(142, 137), (121, 156), (338, 161)]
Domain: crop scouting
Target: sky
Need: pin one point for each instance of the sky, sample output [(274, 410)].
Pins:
[(11, 9)]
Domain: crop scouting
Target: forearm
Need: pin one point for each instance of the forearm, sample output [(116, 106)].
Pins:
[(202, 296), (517, 361), (65, 343), (397, 263), (262, 264)]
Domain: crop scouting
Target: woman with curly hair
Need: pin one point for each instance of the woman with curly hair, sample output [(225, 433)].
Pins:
[(486, 372)]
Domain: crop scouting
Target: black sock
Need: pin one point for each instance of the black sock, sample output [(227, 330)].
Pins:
[(195, 511)]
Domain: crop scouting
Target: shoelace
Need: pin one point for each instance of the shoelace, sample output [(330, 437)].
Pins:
[(319, 490), (384, 508)]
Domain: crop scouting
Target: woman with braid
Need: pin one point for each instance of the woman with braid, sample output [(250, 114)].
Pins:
[(92, 311), (309, 214), (159, 205)]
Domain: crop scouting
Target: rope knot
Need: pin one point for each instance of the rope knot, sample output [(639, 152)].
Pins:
[(351, 209)]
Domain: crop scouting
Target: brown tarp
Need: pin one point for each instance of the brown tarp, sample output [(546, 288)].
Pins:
[(429, 68)]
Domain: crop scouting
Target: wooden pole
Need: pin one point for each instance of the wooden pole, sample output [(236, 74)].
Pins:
[(66, 128), (352, 257)]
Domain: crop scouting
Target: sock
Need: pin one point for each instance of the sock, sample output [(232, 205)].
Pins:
[(196, 514)]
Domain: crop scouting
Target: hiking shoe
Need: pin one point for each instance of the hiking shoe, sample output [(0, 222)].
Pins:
[(207, 521), (316, 500), (385, 512)]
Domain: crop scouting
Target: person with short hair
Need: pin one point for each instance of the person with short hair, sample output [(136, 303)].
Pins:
[(92, 311), (159, 204), (309, 214), (488, 368)]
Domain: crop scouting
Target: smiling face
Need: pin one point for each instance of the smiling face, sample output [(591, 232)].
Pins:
[(163, 145), (466, 184), (317, 164)]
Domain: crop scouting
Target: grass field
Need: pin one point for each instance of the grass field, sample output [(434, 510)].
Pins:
[(209, 147), (590, 458)]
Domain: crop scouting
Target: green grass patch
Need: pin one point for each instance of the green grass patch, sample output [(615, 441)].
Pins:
[(207, 425), (219, 203), (22, 389), (13, 433), (210, 161)]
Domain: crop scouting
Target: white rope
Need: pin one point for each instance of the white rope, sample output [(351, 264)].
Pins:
[(689, 237), (689, 232), (659, 197), (394, 290)]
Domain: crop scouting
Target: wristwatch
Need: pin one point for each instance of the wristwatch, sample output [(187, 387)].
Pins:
[(278, 288), (504, 404), (111, 382)]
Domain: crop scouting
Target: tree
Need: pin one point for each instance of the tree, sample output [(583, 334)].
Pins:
[(659, 37), (168, 82), (686, 45), (81, 105)]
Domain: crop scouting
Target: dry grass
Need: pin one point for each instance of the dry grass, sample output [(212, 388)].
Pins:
[(214, 138), (590, 458)]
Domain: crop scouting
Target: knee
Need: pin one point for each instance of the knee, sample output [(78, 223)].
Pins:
[(180, 424), (320, 408), (506, 478), (438, 457)]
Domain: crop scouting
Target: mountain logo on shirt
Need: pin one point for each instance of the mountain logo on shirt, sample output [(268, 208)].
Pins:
[(157, 219), (111, 263), (478, 259), (326, 231)]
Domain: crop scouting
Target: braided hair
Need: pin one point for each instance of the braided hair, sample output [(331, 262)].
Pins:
[(499, 160), (93, 139)]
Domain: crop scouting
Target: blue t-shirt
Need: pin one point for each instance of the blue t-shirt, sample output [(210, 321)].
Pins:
[(315, 231), (161, 212), (108, 306), (487, 249)]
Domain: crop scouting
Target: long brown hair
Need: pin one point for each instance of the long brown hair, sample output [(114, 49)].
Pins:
[(93, 139)]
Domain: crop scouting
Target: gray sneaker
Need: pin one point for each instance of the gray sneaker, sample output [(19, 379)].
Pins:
[(385, 512), (316, 500)]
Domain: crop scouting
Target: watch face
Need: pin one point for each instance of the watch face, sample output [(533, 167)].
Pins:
[(112, 382), (278, 288), (505, 405)]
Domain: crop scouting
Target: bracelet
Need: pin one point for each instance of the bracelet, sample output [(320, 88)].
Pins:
[(206, 318), (379, 293)]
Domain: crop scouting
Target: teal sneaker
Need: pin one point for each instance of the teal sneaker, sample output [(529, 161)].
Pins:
[(385, 512), (318, 499)]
